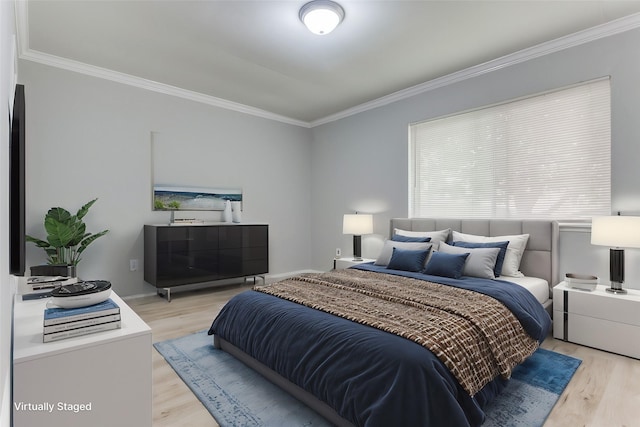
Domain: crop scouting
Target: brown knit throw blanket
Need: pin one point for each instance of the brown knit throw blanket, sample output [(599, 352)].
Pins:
[(474, 335)]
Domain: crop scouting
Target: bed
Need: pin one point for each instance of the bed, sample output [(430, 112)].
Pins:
[(335, 341)]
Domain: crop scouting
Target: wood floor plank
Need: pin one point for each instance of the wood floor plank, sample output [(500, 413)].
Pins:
[(622, 392), (605, 391)]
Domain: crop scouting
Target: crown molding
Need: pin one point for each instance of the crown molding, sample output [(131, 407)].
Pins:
[(127, 79), (598, 32), (601, 31)]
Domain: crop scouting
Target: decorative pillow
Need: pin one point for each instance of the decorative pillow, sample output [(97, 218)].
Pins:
[(408, 260), (446, 265), (401, 238), (497, 270), (436, 236), (480, 263), (513, 256), (387, 250)]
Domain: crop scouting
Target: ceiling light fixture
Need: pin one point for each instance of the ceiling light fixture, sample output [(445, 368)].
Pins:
[(321, 16)]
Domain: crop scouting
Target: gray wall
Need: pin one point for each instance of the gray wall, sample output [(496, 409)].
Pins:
[(361, 162), (7, 59), (89, 138)]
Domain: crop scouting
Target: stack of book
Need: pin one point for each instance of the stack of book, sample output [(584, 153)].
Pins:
[(581, 281), (61, 323)]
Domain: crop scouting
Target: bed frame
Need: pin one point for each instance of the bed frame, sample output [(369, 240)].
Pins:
[(540, 259)]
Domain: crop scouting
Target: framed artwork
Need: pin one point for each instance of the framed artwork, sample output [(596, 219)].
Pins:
[(174, 198)]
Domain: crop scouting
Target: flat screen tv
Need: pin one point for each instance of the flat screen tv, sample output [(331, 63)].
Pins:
[(17, 240)]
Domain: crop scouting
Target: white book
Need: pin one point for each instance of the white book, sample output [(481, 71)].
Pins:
[(81, 323), (81, 331)]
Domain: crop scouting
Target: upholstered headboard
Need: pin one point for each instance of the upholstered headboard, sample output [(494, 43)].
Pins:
[(540, 257)]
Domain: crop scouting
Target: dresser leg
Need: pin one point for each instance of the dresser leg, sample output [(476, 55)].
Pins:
[(167, 293)]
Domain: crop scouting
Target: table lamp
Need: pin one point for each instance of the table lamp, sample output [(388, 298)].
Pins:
[(617, 232), (357, 224)]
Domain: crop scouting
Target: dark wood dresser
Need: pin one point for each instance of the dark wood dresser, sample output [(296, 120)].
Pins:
[(185, 254)]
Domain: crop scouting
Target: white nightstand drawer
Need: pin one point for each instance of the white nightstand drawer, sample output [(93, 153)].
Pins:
[(604, 305), (598, 319), (611, 336)]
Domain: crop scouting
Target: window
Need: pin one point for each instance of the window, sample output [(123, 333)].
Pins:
[(545, 156)]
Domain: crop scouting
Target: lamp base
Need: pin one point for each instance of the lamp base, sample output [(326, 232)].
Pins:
[(616, 271), (616, 288), (357, 248)]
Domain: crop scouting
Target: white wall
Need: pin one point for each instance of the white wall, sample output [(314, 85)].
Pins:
[(7, 61), (90, 138), (361, 162)]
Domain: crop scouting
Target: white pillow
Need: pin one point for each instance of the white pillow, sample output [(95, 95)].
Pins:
[(387, 250), (513, 256), (480, 262), (436, 236)]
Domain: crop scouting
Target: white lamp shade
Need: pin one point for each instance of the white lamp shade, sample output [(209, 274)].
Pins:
[(321, 16), (357, 224), (616, 231)]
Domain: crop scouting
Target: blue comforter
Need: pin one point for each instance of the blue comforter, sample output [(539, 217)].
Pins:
[(370, 377)]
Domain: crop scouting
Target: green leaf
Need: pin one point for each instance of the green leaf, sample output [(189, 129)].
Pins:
[(59, 234), (85, 209), (38, 242), (90, 239), (58, 214), (79, 233)]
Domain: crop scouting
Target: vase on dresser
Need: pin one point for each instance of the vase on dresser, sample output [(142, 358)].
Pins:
[(236, 212), (226, 214)]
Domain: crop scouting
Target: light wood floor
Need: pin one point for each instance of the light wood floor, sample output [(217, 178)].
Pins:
[(604, 392)]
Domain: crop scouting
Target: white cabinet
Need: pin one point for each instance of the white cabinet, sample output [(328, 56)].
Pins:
[(101, 379), (598, 319)]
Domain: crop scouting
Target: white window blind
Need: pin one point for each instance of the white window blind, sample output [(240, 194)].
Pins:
[(546, 156)]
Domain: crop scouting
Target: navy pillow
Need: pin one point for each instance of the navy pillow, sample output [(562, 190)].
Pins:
[(446, 265), (401, 238), (408, 260), (501, 245)]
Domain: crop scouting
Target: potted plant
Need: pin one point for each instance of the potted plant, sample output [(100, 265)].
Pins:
[(67, 237)]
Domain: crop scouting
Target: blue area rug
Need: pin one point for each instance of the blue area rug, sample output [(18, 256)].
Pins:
[(235, 395)]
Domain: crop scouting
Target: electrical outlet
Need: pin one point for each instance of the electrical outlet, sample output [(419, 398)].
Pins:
[(338, 252), (133, 264)]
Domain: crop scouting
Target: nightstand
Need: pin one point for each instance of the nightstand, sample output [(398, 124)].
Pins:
[(342, 263), (598, 319)]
